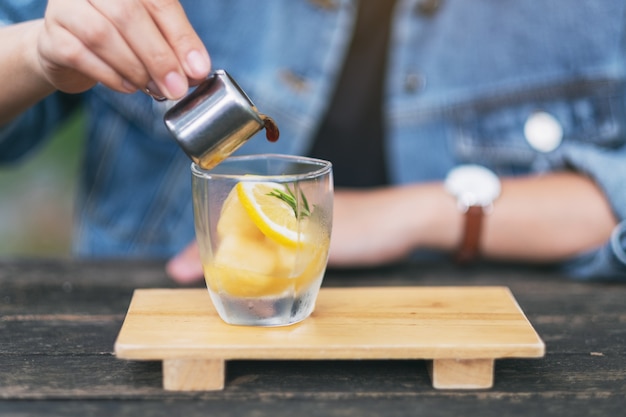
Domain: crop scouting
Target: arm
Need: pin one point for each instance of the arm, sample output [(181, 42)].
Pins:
[(18, 63), (536, 219), (80, 43)]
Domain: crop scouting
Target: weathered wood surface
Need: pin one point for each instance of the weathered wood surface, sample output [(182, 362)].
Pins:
[(59, 321)]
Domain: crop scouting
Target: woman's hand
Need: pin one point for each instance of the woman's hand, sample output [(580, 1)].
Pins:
[(124, 44)]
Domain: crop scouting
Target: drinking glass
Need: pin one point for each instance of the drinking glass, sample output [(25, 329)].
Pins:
[(263, 225)]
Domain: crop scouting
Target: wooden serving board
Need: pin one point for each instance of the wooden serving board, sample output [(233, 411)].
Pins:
[(459, 330)]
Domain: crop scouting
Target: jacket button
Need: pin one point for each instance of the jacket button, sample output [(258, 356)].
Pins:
[(427, 7), (543, 132), (414, 82), (296, 82), (325, 4)]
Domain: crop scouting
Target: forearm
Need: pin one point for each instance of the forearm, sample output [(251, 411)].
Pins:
[(545, 218), (542, 218), (24, 84)]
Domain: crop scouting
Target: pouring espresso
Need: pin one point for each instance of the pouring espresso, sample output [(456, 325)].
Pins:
[(215, 119)]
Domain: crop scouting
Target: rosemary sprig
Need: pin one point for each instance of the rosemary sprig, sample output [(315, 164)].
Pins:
[(290, 198)]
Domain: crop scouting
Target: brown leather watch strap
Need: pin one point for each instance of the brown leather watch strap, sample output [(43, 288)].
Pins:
[(470, 243)]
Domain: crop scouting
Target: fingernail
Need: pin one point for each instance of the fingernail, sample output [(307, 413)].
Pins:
[(198, 64), (175, 85), (153, 89), (128, 86)]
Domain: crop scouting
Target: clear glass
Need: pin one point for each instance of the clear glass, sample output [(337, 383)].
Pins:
[(263, 225)]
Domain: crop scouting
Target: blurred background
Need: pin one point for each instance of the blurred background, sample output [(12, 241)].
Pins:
[(37, 196)]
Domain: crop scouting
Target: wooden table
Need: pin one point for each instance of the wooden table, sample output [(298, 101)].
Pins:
[(59, 321)]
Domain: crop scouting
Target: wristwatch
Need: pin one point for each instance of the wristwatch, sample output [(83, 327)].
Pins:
[(475, 188)]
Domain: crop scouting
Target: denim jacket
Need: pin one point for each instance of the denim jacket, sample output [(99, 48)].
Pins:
[(463, 82)]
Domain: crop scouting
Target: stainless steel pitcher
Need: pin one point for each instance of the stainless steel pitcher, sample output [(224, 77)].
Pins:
[(214, 120)]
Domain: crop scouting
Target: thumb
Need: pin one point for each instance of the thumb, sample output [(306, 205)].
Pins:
[(186, 267)]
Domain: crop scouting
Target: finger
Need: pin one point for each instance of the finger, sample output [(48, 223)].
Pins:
[(97, 39), (73, 68), (186, 267), (140, 32), (175, 27)]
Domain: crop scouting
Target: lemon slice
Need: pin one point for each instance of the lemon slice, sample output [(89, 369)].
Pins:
[(274, 217)]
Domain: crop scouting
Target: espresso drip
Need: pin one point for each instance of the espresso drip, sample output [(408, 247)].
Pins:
[(271, 129)]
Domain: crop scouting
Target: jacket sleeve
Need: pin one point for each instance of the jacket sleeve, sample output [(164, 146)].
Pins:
[(607, 167), (34, 126), (607, 263), (28, 130)]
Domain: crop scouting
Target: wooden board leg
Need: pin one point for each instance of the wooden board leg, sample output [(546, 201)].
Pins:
[(461, 373), (193, 374)]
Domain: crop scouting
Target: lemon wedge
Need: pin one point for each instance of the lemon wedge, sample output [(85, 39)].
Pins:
[(247, 254), (234, 219), (274, 217)]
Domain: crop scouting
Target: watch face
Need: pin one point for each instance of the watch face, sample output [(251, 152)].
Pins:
[(473, 185)]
